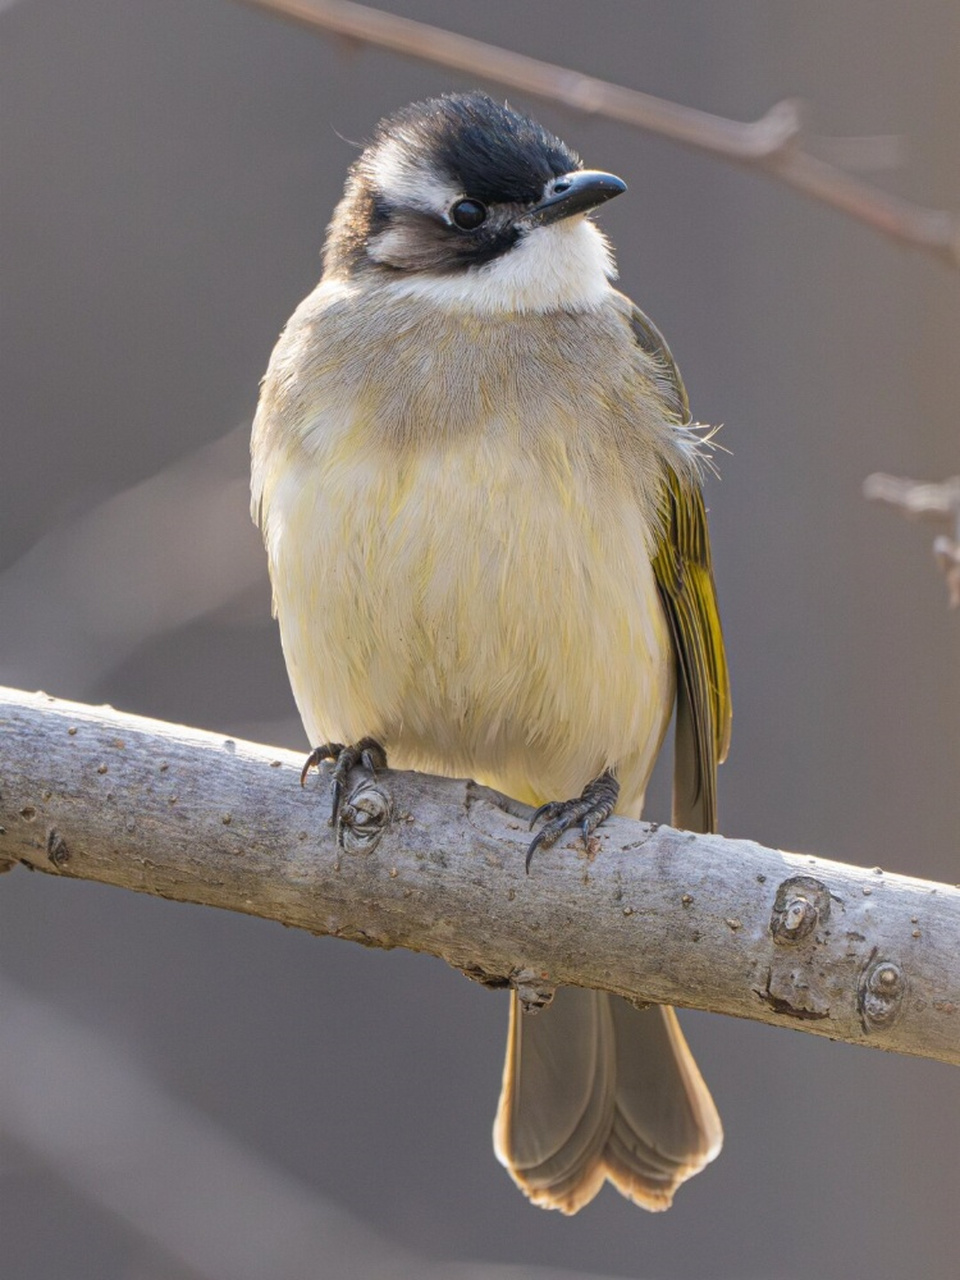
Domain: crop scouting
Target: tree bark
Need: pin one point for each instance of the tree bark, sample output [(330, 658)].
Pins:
[(437, 865)]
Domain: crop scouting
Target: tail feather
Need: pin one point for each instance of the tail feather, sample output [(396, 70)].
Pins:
[(557, 1099), (594, 1089), (665, 1126)]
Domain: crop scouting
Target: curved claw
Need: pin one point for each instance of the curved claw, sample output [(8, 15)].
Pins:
[(538, 841), (595, 803), (548, 810), (336, 792), (328, 751)]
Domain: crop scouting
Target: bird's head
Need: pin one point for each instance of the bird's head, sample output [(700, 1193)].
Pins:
[(467, 202)]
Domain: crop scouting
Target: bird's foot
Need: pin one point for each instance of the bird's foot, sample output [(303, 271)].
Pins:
[(596, 802), (367, 752)]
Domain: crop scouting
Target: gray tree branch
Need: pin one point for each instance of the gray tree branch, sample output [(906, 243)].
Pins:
[(436, 865)]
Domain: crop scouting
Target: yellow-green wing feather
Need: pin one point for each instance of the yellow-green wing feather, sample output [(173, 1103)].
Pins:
[(684, 574), (685, 578)]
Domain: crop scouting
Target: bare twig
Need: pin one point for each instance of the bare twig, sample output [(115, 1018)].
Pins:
[(768, 145), (436, 865), (926, 501)]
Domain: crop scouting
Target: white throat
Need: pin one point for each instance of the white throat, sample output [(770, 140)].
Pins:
[(567, 265)]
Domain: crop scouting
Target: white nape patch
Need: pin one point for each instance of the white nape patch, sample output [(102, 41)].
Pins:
[(566, 265), (395, 173)]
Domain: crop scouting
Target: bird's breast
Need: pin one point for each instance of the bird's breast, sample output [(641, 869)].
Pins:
[(477, 592)]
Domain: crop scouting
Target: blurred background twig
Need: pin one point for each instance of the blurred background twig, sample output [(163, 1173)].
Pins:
[(926, 501), (770, 145)]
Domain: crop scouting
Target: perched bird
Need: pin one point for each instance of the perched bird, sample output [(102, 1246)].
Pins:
[(479, 487)]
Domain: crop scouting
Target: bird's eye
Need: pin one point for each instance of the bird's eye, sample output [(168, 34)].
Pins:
[(468, 214)]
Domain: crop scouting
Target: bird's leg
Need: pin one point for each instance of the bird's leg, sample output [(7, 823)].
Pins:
[(596, 802), (367, 752)]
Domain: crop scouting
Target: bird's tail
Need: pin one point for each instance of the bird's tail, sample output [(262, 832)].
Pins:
[(594, 1088)]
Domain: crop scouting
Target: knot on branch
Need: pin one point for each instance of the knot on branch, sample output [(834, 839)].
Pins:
[(801, 906), (363, 817), (880, 994), (533, 990), (802, 903), (57, 850), (775, 132)]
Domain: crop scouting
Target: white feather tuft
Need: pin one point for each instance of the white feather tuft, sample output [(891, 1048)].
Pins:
[(394, 170), (566, 266)]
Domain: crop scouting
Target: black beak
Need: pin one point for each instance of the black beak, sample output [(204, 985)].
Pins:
[(576, 193)]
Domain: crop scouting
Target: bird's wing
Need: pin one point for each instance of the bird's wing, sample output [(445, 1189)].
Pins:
[(669, 383), (684, 573)]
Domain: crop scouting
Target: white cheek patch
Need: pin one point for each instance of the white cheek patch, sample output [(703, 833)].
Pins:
[(396, 247), (387, 246), (567, 265), (407, 184)]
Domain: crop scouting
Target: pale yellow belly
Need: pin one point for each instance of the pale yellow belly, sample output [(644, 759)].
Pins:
[(480, 612)]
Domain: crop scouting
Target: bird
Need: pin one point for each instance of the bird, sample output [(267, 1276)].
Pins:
[(479, 487)]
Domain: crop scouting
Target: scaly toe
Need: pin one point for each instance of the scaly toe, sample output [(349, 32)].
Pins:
[(595, 803), (372, 754), (367, 752)]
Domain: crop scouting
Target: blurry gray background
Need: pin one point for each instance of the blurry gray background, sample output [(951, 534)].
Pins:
[(167, 173)]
